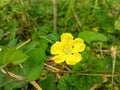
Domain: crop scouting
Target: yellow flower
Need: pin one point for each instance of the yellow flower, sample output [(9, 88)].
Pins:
[(67, 49)]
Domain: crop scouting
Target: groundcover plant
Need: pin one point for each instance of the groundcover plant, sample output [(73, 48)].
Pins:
[(59, 44)]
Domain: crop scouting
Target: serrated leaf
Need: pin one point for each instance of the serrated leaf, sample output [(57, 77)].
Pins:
[(11, 55), (66, 83), (85, 82), (90, 36), (32, 68), (49, 82), (81, 81)]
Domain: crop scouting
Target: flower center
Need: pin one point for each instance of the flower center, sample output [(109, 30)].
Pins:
[(67, 51)]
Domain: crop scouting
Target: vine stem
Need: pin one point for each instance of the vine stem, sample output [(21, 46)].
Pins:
[(56, 70)]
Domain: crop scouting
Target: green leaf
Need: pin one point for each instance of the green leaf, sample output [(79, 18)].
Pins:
[(14, 85), (11, 55), (81, 81), (35, 36), (12, 29), (49, 82), (8, 83), (90, 36), (66, 83), (53, 36), (1, 32), (85, 82), (42, 43), (30, 46), (32, 68), (2, 78), (117, 24), (12, 42)]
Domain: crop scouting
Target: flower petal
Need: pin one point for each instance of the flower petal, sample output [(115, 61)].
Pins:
[(73, 59), (67, 39), (57, 48), (66, 36), (59, 58), (78, 45)]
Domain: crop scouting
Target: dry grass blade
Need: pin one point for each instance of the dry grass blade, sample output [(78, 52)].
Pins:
[(36, 85), (13, 75)]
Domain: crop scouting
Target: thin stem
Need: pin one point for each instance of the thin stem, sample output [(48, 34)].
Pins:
[(56, 70), (46, 39), (55, 14), (85, 74)]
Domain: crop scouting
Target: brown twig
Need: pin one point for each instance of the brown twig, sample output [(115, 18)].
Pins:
[(76, 18), (21, 46), (56, 70), (13, 75), (113, 54), (23, 43), (100, 50), (55, 14), (53, 68), (36, 85), (86, 74)]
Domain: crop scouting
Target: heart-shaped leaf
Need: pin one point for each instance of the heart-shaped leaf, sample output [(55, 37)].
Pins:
[(11, 55)]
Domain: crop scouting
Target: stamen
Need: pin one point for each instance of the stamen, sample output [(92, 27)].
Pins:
[(67, 51)]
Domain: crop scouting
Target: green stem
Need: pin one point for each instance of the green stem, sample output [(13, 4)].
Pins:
[(95, 5)]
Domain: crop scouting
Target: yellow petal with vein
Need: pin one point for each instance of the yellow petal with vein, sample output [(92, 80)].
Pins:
[(73, 59), (67, 39), (57, 48), (78, 45), (59, 58)]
